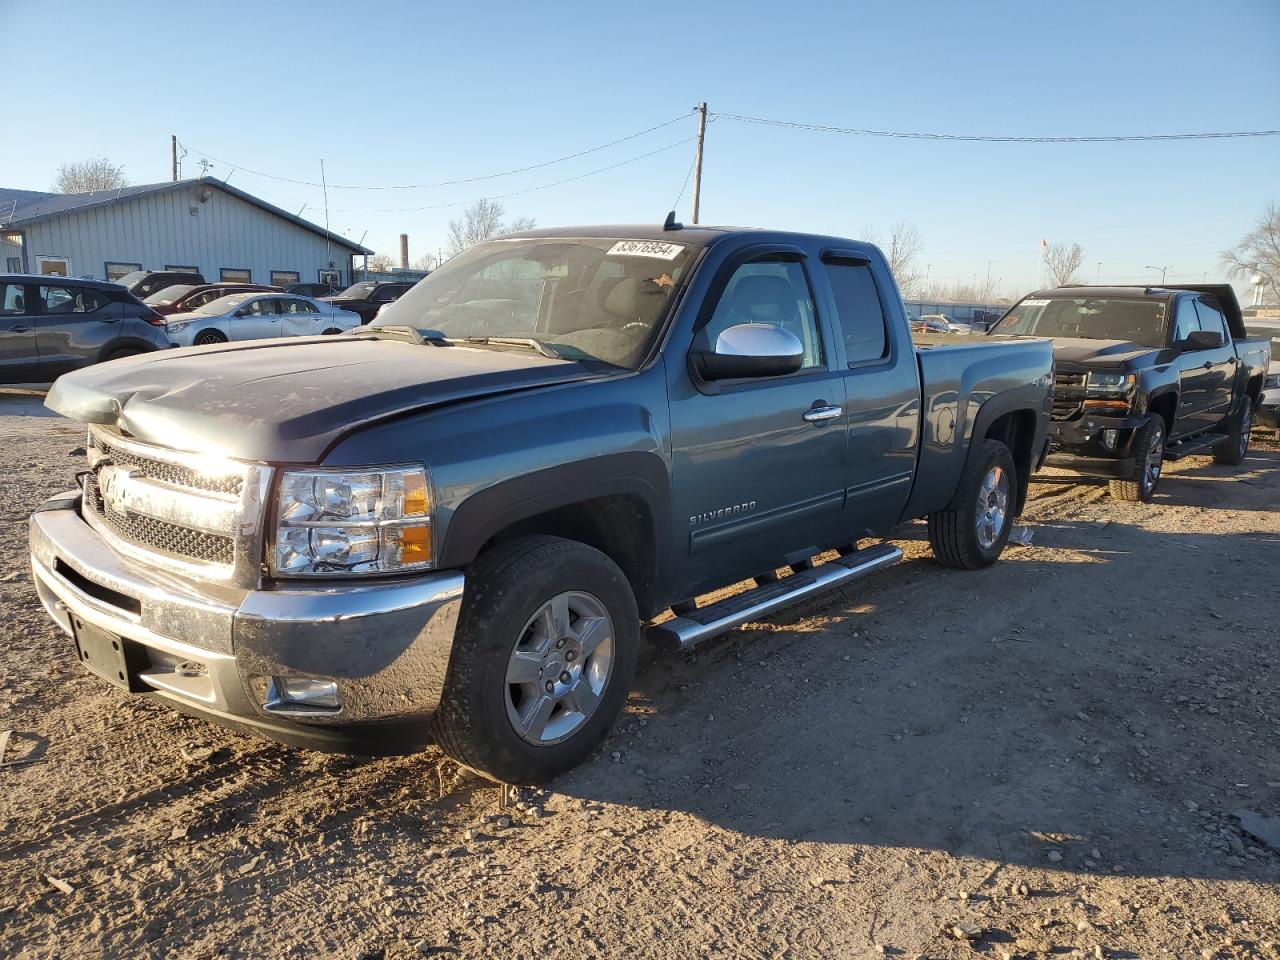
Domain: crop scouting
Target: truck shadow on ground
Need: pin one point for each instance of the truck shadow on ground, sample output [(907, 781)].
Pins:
[(1028, 713)]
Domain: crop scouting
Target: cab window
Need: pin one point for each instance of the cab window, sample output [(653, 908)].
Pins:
[(1211, 319), (772, 290), (858, 311), (1186, 321)]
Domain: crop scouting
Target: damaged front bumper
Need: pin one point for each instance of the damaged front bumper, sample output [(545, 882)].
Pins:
[(224, 653), (1094, 446)]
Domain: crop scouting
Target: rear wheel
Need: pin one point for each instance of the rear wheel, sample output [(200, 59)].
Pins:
[(974, 532), (1235, 447), (124, 352), (206, 337), (542, 662), (1148, 462)]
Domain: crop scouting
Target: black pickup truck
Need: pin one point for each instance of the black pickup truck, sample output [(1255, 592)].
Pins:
[(1144, 375)]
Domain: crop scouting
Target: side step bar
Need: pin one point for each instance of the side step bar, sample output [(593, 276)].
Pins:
[(691, 627), (1192, 446)]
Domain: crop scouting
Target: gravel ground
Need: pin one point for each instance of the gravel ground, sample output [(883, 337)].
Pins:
[(1037, 760)]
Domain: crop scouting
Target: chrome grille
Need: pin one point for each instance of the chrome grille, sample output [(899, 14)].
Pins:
[(164, 471), (1068, 394), (160, 535), (193, 514)]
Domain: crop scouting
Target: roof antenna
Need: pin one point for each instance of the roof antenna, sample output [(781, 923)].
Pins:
[(670, 223)]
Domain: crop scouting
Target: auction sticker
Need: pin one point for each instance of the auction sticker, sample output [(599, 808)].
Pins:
[(646, 248), (1034, 303)]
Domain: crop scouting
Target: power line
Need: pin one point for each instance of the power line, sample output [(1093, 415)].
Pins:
[(981, 138), (516, 193), (448, 183)]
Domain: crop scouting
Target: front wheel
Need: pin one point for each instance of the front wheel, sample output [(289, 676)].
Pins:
[(206, 337), (542, 662), (1235, 447), (973, 533), (1148, 462)]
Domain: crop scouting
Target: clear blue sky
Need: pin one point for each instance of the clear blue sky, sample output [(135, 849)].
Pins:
[(416, 92)]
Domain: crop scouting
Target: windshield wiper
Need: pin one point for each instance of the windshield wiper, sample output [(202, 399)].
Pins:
[(395, 331), (533, 344)]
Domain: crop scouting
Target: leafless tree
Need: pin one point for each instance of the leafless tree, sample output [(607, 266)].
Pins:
[(98, 173), (983, 291), (1258, 254), (902, 251), (382, 263), (482, 221), (1062, 262)]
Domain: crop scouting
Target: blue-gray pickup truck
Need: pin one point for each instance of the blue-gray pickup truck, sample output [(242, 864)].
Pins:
[(457, 522)]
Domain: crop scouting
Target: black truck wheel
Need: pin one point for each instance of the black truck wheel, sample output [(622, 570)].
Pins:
[(543, 657), (1235, 447), (1148, 462), (974, 532)]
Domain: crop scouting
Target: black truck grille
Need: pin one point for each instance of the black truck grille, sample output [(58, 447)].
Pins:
[(159, 535), (1068, 394)]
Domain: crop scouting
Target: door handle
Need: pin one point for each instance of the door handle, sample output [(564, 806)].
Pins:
[(1207, 365), (822, 413)]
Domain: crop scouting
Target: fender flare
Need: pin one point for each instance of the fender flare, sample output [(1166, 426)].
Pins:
[(1028, 399), (484, 514)]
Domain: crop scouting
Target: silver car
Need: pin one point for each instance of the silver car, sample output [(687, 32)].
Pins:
[(258, 316)]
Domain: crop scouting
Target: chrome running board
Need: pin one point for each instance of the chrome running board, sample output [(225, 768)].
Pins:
[(694, 626)]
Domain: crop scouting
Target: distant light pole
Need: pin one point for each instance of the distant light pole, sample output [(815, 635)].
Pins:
[(1163, 271), (1098, 277)]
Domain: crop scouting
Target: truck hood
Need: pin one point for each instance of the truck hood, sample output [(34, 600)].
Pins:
[(287, 401), (1074, 351)]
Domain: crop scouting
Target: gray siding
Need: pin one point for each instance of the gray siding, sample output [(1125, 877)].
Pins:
[(159, 230)]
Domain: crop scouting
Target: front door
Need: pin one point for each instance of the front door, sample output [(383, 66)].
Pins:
[(1195, 373), (18, 357), (1222, 362), (758, 463)]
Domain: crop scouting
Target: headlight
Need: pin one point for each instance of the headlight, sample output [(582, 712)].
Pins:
[(178, 327), (339, 523), (1109, 384)]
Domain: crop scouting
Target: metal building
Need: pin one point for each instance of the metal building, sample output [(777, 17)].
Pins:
[(203, 224)]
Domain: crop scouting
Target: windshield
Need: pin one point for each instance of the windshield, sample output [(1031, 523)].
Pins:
[(169, 294), (224, 304), (357, 291), (596, 299), (1089, 318), (1267, 333)]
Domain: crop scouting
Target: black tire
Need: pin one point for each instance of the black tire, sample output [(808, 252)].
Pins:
[(1148, 464), (206, 337), (1235, 447), (331, 332), (505, 588), (125, 352), (954, 534)]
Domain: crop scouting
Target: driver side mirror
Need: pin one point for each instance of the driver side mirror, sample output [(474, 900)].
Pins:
[(1203, 340), (748, 350)]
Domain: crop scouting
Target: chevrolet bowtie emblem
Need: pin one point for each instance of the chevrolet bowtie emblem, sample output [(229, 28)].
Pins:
[(111, 483)]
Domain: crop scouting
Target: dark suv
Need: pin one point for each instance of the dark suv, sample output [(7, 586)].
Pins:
[(50, 325), (312, 289), (143, 283), (369, 296)]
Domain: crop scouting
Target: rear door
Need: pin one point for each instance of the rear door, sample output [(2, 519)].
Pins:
[(758, 463), (18, 359), (72, 328), (882, 394), (299, 317)]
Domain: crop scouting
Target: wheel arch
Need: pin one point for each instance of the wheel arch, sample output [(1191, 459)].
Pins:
[(1164, 403)]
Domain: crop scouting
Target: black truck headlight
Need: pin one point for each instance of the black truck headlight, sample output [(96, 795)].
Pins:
[(1110, 384), (340, 523)]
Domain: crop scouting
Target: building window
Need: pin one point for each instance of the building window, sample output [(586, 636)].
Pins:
[(53, 266), (332, 278), (115, 270), (178, 268), (13, 264), (282, 278), (235, 275)]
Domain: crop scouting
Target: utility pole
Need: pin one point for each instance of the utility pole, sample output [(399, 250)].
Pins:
[(697, 159), (173, 151)]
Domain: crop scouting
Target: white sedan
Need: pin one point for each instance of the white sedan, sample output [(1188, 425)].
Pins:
[(258, 316)]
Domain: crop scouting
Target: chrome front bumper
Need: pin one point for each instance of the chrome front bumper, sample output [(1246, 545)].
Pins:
[(212, 650)]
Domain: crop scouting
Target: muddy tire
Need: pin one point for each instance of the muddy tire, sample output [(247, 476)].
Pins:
[(973, 533), (206, 337), (1235, 447), (124, 352), (543, 658), (1148, 464)]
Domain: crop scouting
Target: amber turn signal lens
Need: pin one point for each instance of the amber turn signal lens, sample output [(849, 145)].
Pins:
[(1107, 406), (415, 544), (415, 495)]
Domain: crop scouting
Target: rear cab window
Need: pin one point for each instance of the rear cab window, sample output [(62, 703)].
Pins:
[(859, 311)]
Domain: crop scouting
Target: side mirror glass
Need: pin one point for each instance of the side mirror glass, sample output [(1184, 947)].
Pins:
[(1203, 340), (750, 350)]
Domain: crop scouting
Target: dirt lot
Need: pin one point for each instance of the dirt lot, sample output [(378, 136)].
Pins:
[(1049, 750)]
